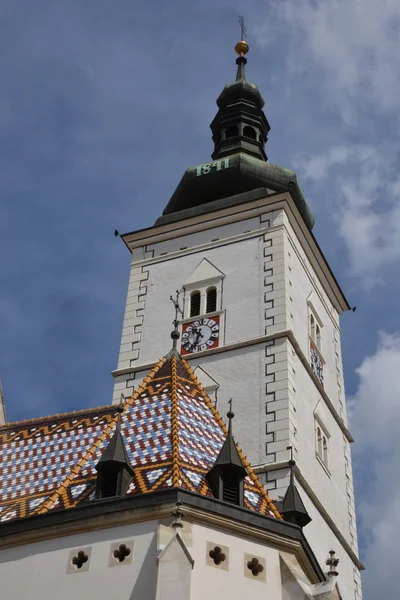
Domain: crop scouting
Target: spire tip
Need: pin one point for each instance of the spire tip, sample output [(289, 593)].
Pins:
[(242, 47)]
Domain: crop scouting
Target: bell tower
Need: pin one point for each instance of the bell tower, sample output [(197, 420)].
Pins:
[(240, 124), (259, 323)]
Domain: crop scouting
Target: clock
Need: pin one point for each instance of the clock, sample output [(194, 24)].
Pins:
[(201, 334), (317, 364)]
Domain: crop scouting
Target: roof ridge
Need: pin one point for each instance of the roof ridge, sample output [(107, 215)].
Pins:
[(174, 424), (221, 423), (45, 419), (46, 506)]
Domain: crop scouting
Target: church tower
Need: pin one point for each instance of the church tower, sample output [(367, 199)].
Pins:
[(260, 319)]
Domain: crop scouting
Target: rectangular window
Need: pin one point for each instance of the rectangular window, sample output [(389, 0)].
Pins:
[(315, 337), (322, 443)]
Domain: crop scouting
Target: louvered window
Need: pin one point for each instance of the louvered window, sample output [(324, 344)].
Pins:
[(195, 304), (109, 483), (230, 490), (211, 300)]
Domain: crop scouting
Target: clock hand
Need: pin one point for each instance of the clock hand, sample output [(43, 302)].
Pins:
[(198, 336)]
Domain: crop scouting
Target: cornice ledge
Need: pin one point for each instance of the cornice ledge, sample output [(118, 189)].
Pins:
[(317, 503), (253, 342), (321, 390), (251, 532)]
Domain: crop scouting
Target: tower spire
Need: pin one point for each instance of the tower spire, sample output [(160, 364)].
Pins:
[(3, 418), (114, 470), (228, 472), (293, 509), (241, 48), (240, 125)]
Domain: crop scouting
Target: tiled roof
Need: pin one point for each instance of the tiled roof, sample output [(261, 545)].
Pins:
[(172, 434)]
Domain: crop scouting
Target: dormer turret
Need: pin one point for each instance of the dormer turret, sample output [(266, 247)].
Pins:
[(114, 470), (227, 474)]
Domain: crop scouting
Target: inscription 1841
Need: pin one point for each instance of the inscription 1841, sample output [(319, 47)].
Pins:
[(217, 165)]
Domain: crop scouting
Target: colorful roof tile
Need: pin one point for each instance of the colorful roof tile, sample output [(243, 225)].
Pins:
[(171, 430)]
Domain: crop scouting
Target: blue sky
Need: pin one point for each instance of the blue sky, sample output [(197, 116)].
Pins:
[(103, 106)]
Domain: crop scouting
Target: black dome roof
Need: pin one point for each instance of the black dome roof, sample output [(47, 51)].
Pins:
[(240, 90), (244, 173)]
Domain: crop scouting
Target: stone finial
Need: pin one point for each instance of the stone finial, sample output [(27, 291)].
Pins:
[(178, 514), (332, 563)]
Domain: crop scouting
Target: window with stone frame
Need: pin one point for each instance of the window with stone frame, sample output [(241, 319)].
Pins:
[(203, 291), (315, 341), (322, 443), (315, 331)]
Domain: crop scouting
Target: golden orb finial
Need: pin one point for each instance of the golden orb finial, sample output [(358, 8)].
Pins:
[(242, 48)]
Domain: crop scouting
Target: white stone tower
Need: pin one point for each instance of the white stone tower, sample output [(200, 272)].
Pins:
[(260, 319)]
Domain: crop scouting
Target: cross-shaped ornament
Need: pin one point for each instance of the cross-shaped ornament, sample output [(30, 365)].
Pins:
[(242, 28), (175, 322)]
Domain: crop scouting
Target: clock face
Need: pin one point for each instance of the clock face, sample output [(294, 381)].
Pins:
[(199, 335), (317, 364)]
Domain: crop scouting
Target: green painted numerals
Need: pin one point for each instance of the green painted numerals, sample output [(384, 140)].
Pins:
[(217, 165)]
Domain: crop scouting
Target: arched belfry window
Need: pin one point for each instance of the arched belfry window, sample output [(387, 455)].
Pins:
[(203, 290), (211, 299), (231, 132), (250, 132), (195, 299)]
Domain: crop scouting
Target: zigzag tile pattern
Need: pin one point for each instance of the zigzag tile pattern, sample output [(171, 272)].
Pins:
[(171, 430), (37, 455)]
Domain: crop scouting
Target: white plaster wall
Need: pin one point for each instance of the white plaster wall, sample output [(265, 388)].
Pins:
[(329, 488), (322, 540), (38, 571), (211, 582), (203, 237), (306, 287), (241, 295), (149, 313)]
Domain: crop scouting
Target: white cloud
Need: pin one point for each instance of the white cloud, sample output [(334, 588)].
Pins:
[(362, 185), (375, 422), (354, 45)]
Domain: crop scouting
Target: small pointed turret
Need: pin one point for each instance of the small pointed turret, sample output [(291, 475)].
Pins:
[(227, 473), (293, 509), (114, 470), (3, 418)]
